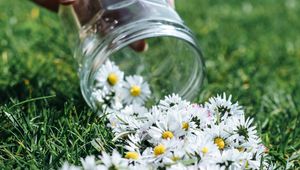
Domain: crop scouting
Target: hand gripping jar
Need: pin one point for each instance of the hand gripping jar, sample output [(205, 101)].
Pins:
[(141, 37)]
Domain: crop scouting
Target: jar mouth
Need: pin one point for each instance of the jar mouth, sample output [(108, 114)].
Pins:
[(105, 48)]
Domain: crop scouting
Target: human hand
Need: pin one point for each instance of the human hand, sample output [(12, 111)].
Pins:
[(53, 5)]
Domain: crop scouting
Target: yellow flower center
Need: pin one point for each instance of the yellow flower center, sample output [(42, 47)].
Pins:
[(159, 149), (112, 79), (135, 90), (219, 142), (241, 149), (167, 135), (132, 155), (185, 125), (175, 158), (204, 150)]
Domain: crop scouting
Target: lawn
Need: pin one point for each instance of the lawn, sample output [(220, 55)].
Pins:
[(251, 50)]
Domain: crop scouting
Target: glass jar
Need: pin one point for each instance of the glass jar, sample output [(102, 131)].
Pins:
[(142, 37)]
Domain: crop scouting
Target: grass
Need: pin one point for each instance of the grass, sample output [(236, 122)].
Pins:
[(252, 51)]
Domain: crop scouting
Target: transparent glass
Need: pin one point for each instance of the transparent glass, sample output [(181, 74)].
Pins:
[(106, 30)]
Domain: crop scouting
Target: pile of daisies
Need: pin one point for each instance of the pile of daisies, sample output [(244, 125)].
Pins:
[(174, 134)]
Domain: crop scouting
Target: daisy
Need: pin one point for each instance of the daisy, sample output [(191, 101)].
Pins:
[(180, 166), (249, 162), (172, 101), (123, 123), (133, 147), (126, 119), (200, 115), (222, 108), (207, 166), (184, 117), (230, 159), (253, 161), (164, 153), (134, 143), (141, 166), (219, 135), (132, 155), (109, 78), (177, 151), (204, 147), (113, 162), (156, 154), (98, 96), (165, 129), (136, 90), (243, 135), (108, 101), (89, 163), (134, 110), (153, 115), (177, 166), (67, 166)]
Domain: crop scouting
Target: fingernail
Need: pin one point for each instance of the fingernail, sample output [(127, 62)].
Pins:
[(140, 46), (66, 2)]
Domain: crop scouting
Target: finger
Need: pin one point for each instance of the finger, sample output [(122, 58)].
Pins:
[(49, 4), (118, 15), (139, 46), (53, 4)]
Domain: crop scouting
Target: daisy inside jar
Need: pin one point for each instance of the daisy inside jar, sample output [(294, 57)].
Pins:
[(136, 90), (114, 90), (109, 78)]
